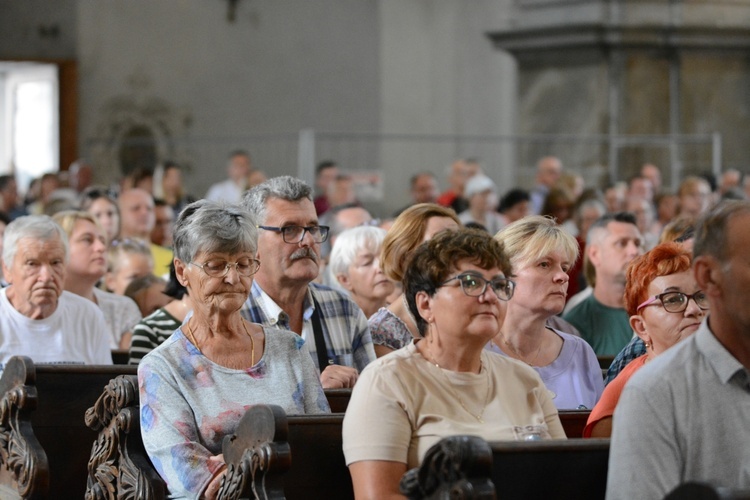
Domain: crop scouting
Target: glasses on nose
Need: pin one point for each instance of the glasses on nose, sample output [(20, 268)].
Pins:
[(220, 268), (474, 285), (677, 302), (295, 234)]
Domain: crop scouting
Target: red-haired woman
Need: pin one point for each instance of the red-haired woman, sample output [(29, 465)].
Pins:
[(665, 306)]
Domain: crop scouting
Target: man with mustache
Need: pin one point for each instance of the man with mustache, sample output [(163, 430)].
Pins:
[(612, 242), (283, 295), (38, 318)]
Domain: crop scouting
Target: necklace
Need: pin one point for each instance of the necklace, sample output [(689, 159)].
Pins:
[(518, 354), (252, 341), (456, 395)]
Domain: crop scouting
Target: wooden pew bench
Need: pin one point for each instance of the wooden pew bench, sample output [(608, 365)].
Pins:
[(575, 468), (117, 461), (61, 396), (280, 456), (65, 393), (24, 468)]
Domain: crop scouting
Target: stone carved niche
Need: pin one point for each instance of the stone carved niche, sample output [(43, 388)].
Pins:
[(137, 133)]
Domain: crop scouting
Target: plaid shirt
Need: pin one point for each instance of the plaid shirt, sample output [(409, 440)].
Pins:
[(635, 348), (344, 325)]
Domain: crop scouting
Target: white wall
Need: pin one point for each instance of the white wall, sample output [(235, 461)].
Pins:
[(441, 75), (205, 86), (280, 67)]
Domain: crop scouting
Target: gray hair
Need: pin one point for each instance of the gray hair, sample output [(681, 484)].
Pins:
[(208, 226), (350, 242), (284, 188), (711, 232), (37, 227)]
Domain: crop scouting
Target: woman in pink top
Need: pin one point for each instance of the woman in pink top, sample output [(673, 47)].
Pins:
[(658, 293)]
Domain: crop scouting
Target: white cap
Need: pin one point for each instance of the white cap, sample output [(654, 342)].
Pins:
[(479, 184)]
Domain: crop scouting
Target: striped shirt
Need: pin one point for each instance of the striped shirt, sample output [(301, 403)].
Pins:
[(151, 332)]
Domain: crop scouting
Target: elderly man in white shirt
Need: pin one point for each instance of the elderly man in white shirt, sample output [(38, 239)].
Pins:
[(38, 318)]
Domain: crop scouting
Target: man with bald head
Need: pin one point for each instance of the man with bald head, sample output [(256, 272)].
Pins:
[(548, 171), (137, 220)]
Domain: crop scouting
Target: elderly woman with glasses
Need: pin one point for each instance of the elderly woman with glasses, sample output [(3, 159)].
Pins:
[(445, 383), (197, 384), (542, 253), (665, 306)]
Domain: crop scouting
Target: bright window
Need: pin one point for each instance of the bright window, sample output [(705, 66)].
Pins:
[(29, 137)]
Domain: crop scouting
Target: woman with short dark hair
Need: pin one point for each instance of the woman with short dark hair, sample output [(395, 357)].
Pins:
[(444, 383)]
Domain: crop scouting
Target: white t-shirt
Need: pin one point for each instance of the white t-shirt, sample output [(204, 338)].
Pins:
[(225, 191), (76, 333), (121, 314)]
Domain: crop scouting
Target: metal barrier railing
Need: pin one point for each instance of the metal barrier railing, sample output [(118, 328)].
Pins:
[(509, 159)]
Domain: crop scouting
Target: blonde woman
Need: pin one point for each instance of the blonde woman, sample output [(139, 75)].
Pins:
[(86, 266), (394, 326), (541, 254)]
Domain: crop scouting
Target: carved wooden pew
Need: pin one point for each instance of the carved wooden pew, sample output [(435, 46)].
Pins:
[(471, 468), (280, 456), (24, 469), (118, 461), (65, 392)]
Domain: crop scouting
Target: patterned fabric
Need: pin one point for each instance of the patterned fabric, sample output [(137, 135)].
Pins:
[(120, 312), (151, 332), (387, 329), (344, 325), (635, 348), (189, 403)]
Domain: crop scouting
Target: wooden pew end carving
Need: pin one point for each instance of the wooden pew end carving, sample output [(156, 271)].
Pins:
[(457, 467), (24, 469), (257, 455), (118, 460)]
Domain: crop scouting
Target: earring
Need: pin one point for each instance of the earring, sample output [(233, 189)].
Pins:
[(647, 344)]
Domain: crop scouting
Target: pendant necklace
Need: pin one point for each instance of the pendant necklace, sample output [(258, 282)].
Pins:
[(518, 354), (456, 395), (252, 341)]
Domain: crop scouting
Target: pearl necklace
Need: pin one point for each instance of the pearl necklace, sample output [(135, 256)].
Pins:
[(252, 341), (458, 397)]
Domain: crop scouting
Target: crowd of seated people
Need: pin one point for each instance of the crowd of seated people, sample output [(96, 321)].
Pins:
[(419, 316)]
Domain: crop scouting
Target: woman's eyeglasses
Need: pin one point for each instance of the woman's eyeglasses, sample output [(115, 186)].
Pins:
[(294, 234), (677, 302), (220, 268), (475, 285)]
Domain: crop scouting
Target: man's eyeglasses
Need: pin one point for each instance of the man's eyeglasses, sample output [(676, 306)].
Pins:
[(475, 285), (677, 302), (295, 234), (220, 268)]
